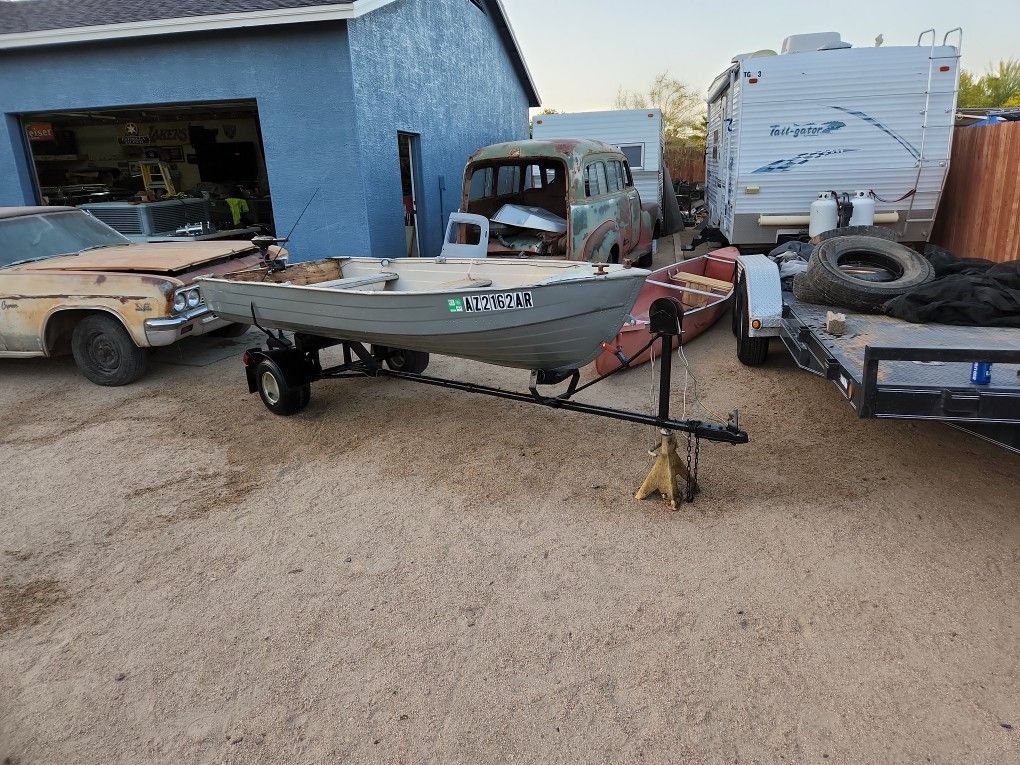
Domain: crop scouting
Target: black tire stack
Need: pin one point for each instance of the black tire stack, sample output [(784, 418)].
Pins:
[(861, 272)]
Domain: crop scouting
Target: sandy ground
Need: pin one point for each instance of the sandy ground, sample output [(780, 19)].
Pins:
[(406, 574)]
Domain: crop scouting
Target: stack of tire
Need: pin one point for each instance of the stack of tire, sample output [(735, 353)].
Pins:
[(860, 268)]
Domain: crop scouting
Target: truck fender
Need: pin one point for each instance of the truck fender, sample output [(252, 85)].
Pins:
[(654, 215), (759, 277), (601, 240)]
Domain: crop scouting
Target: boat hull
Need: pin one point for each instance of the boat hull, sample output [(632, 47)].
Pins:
[(635, 335), (562, 328)]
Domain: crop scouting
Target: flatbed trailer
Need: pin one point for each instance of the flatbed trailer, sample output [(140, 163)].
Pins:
[(886, 368)]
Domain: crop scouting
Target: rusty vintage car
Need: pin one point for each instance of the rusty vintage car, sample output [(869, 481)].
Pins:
[(560, 198), (70, 283)]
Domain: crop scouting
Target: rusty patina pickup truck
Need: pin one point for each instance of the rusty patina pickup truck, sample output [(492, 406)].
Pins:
[(69, 283), (560, 198)]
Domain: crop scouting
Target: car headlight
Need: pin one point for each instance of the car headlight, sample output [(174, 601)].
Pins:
[(193, 298), (180, 302)]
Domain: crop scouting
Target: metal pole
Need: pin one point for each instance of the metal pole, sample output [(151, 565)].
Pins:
[(665, 372)]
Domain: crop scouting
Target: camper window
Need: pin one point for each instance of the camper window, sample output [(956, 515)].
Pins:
[(635, 154)]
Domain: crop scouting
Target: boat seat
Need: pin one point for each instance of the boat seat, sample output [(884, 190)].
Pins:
[(353, 282), (697, 280), (469, 282)]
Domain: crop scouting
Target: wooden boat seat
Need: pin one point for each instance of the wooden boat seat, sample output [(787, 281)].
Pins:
[(467, 283), (697, 280), (352, 282)]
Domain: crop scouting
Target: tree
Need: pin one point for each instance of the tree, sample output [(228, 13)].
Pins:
[(999, 86), (682, 107)]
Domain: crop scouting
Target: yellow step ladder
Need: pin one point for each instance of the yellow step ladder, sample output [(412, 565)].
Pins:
[(156, 176)]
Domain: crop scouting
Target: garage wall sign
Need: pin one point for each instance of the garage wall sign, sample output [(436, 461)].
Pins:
[(40, 131), (160, 134)]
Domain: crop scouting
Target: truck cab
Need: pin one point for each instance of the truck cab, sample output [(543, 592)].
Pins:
[(566, 198)]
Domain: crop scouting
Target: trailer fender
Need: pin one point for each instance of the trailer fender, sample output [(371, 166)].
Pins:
[(759, 276), (296, 367)]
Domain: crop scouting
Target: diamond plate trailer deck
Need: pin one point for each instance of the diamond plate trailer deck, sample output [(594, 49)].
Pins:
[(889, 368), (885, 367)]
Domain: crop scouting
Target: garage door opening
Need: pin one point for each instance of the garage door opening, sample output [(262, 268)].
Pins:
[(157, 173)]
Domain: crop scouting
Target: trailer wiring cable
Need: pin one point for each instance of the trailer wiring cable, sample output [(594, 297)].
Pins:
[(909, 194)]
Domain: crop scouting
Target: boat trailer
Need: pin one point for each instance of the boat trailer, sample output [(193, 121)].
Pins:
[(282, 374)]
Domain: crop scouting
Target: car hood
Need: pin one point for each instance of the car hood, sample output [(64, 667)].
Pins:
[(157, 258)]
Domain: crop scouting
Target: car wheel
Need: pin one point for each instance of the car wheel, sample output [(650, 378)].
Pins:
[(279, 396), (105, 352)]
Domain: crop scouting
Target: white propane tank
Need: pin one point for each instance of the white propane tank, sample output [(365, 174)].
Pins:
[(824, 214), (864, 209)]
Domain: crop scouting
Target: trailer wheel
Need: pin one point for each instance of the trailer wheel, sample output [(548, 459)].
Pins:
[(863, 272), (399, 360), (751, 351), (279, 396), (735, 308)]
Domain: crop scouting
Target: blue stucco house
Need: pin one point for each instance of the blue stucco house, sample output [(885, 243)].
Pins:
[(356, 105)]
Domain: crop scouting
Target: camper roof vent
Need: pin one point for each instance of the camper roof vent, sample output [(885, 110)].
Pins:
[(753, 54), (809, 43)]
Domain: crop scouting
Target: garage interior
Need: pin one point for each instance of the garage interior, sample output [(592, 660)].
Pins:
[(177, 171)]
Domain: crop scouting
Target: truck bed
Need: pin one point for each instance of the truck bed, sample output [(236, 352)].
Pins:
[(890, 368)]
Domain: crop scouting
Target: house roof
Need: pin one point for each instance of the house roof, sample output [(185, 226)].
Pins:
[(19, 16), (35, 23)]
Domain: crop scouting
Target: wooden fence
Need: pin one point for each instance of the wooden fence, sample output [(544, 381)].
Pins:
[(980, 212)]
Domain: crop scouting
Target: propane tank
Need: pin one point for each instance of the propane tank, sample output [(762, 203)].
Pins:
[(864, 209), (824, 214)]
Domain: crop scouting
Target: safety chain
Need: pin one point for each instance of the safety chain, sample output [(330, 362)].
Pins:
[(692, 470)]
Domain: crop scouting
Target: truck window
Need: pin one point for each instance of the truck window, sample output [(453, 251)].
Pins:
[(508, 181), (615, 176), (595, 183), (628, 178), (481, 184)]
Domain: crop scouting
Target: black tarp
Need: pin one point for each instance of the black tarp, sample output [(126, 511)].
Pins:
[(966, 291)]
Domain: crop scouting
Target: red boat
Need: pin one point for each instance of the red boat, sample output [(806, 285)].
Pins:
[(704, 285)]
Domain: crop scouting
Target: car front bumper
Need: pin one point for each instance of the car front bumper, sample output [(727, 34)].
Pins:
[(197, 321)]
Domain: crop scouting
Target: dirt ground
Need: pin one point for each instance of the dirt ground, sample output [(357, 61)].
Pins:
[(407, 574)]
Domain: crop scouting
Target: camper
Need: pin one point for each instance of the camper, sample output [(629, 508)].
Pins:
[(847, 131), (635, 132)]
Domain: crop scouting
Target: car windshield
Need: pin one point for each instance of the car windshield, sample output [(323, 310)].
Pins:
[(47, 235)]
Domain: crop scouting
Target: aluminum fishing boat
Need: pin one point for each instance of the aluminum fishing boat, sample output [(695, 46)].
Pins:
[(704, 287), (549, 316)]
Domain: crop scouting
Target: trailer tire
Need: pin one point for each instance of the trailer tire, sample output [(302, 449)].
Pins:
[(399, 360), (825, 275), (279, 396), (879, 232), (735, 308), (751, 351)]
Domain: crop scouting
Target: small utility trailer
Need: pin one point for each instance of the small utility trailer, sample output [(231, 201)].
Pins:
[(283, 371), (885, 367)]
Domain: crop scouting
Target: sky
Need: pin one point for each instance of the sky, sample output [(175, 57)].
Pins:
[(581, 52)]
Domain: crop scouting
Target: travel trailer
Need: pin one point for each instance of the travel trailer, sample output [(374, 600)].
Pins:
[(824, 117)]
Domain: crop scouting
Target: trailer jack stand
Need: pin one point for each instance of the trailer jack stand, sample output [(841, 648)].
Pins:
[(669, 476)]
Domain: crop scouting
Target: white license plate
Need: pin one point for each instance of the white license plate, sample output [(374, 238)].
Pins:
[(499, 301)]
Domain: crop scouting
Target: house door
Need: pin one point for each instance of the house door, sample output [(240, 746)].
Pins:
[(408, 144)]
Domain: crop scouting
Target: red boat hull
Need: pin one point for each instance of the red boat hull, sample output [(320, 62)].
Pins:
[(702, 307)]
